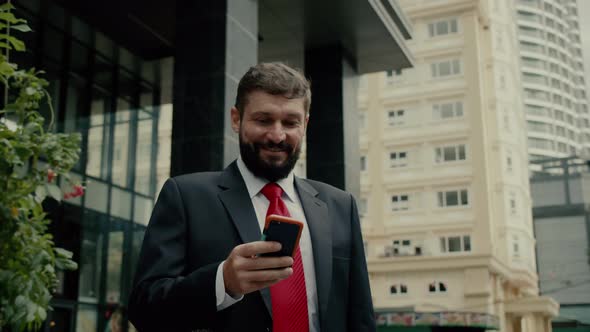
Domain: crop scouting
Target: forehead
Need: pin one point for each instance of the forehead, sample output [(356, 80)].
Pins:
[(260, 101)]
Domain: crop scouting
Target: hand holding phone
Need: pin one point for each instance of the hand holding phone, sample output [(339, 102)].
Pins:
[(286, 231)]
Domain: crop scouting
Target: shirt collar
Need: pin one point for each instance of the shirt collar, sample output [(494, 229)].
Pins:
[(254, 184)]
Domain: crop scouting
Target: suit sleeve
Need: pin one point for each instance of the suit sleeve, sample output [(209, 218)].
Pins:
[(360, 310), (165, 296)]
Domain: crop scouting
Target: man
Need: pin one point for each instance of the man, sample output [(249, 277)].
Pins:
[(200, 266)]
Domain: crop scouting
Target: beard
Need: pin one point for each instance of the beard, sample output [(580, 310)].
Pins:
[(271, 170)]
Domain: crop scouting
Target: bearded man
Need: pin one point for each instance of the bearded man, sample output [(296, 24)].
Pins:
[(201, 266)]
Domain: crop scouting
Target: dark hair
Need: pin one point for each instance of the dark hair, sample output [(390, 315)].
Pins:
[(275, 78)]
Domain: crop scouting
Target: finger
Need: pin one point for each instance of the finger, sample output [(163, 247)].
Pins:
[(267, 275), (265, 263), (257, 247)]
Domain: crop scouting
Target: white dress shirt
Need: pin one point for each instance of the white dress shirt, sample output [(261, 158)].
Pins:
[(260, 202)]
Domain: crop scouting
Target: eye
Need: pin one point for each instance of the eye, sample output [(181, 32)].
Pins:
[(291, 123), (263, 121)]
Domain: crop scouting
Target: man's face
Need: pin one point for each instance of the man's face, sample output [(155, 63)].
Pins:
[(271, 132)]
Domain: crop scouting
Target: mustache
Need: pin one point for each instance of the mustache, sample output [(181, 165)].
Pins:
[(281, 146)]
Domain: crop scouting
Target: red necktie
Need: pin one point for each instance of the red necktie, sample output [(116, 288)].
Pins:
[(288, 297)]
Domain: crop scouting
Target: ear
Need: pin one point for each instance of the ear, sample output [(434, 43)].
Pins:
[(305, 125), (235, 119)]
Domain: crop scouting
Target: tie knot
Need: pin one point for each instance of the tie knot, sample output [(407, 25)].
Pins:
[(272, 191)]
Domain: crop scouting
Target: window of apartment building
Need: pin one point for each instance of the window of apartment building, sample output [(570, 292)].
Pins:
[(450, 153), (400, 202), (398, 159), (363, 206), (447, 110), (570, 134), (540, 143), (573, 150), (512, 203), (560, 131), (363, 120), (559, 115), (363, 163), (539, 127), (396, 117), (536, 110), (445, 68), (455, 243), (443, 27), (404, 248), (562, 147), (509, 161), (453, 198), (393, 75), (397, 289), (515, 246), (437, 287)]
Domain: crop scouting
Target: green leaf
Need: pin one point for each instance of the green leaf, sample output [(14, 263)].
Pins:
[(62, 253), (21, 27), (20, 300), (41, 313), (41, 193), (54, 191), (21, 170), (16, 43), (5, 7), (30, 91), (66, 264), (5, 67), (10, 18)]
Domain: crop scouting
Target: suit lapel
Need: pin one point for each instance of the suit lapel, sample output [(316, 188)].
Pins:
[(316, 214), (236, 200)]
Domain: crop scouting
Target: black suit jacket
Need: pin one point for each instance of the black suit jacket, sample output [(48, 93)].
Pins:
[(199, 218)]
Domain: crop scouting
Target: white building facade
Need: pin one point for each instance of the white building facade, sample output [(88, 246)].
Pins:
[(554, 89), (445, 200)]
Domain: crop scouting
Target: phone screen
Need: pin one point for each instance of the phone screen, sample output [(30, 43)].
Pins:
[(285, 233)]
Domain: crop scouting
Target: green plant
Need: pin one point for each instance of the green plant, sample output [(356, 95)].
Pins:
[(32, 158)]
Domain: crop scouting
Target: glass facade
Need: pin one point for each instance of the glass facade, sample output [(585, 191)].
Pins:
[(112, 97)]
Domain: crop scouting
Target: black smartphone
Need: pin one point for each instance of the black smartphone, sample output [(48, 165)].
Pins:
[(284, 230)]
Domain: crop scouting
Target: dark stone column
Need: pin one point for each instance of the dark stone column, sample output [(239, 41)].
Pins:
[(332, 135), (216, 42)]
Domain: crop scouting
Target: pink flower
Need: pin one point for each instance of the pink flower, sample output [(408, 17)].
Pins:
[(78, 190), (50, 175)]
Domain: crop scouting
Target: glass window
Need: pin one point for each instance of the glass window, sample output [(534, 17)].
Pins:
[(444, 27), (122, 139), (86, 320), (452, 199), (142, 209), (114, 262), (120, 203), (446, 68), (91, 248), (96, 196), (464, 199), (454, 243), (467, 243)]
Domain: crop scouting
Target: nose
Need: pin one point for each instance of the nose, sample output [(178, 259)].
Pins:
[(276, 133)]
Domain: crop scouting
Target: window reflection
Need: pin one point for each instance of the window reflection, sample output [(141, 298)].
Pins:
[(114, 262), (91, 257), (111, 97)]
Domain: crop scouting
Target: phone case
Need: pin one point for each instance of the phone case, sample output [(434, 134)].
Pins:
[(285, 230)]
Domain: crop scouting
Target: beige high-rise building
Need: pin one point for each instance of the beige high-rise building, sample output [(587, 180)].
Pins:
[(554, 89), (445, 201)]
